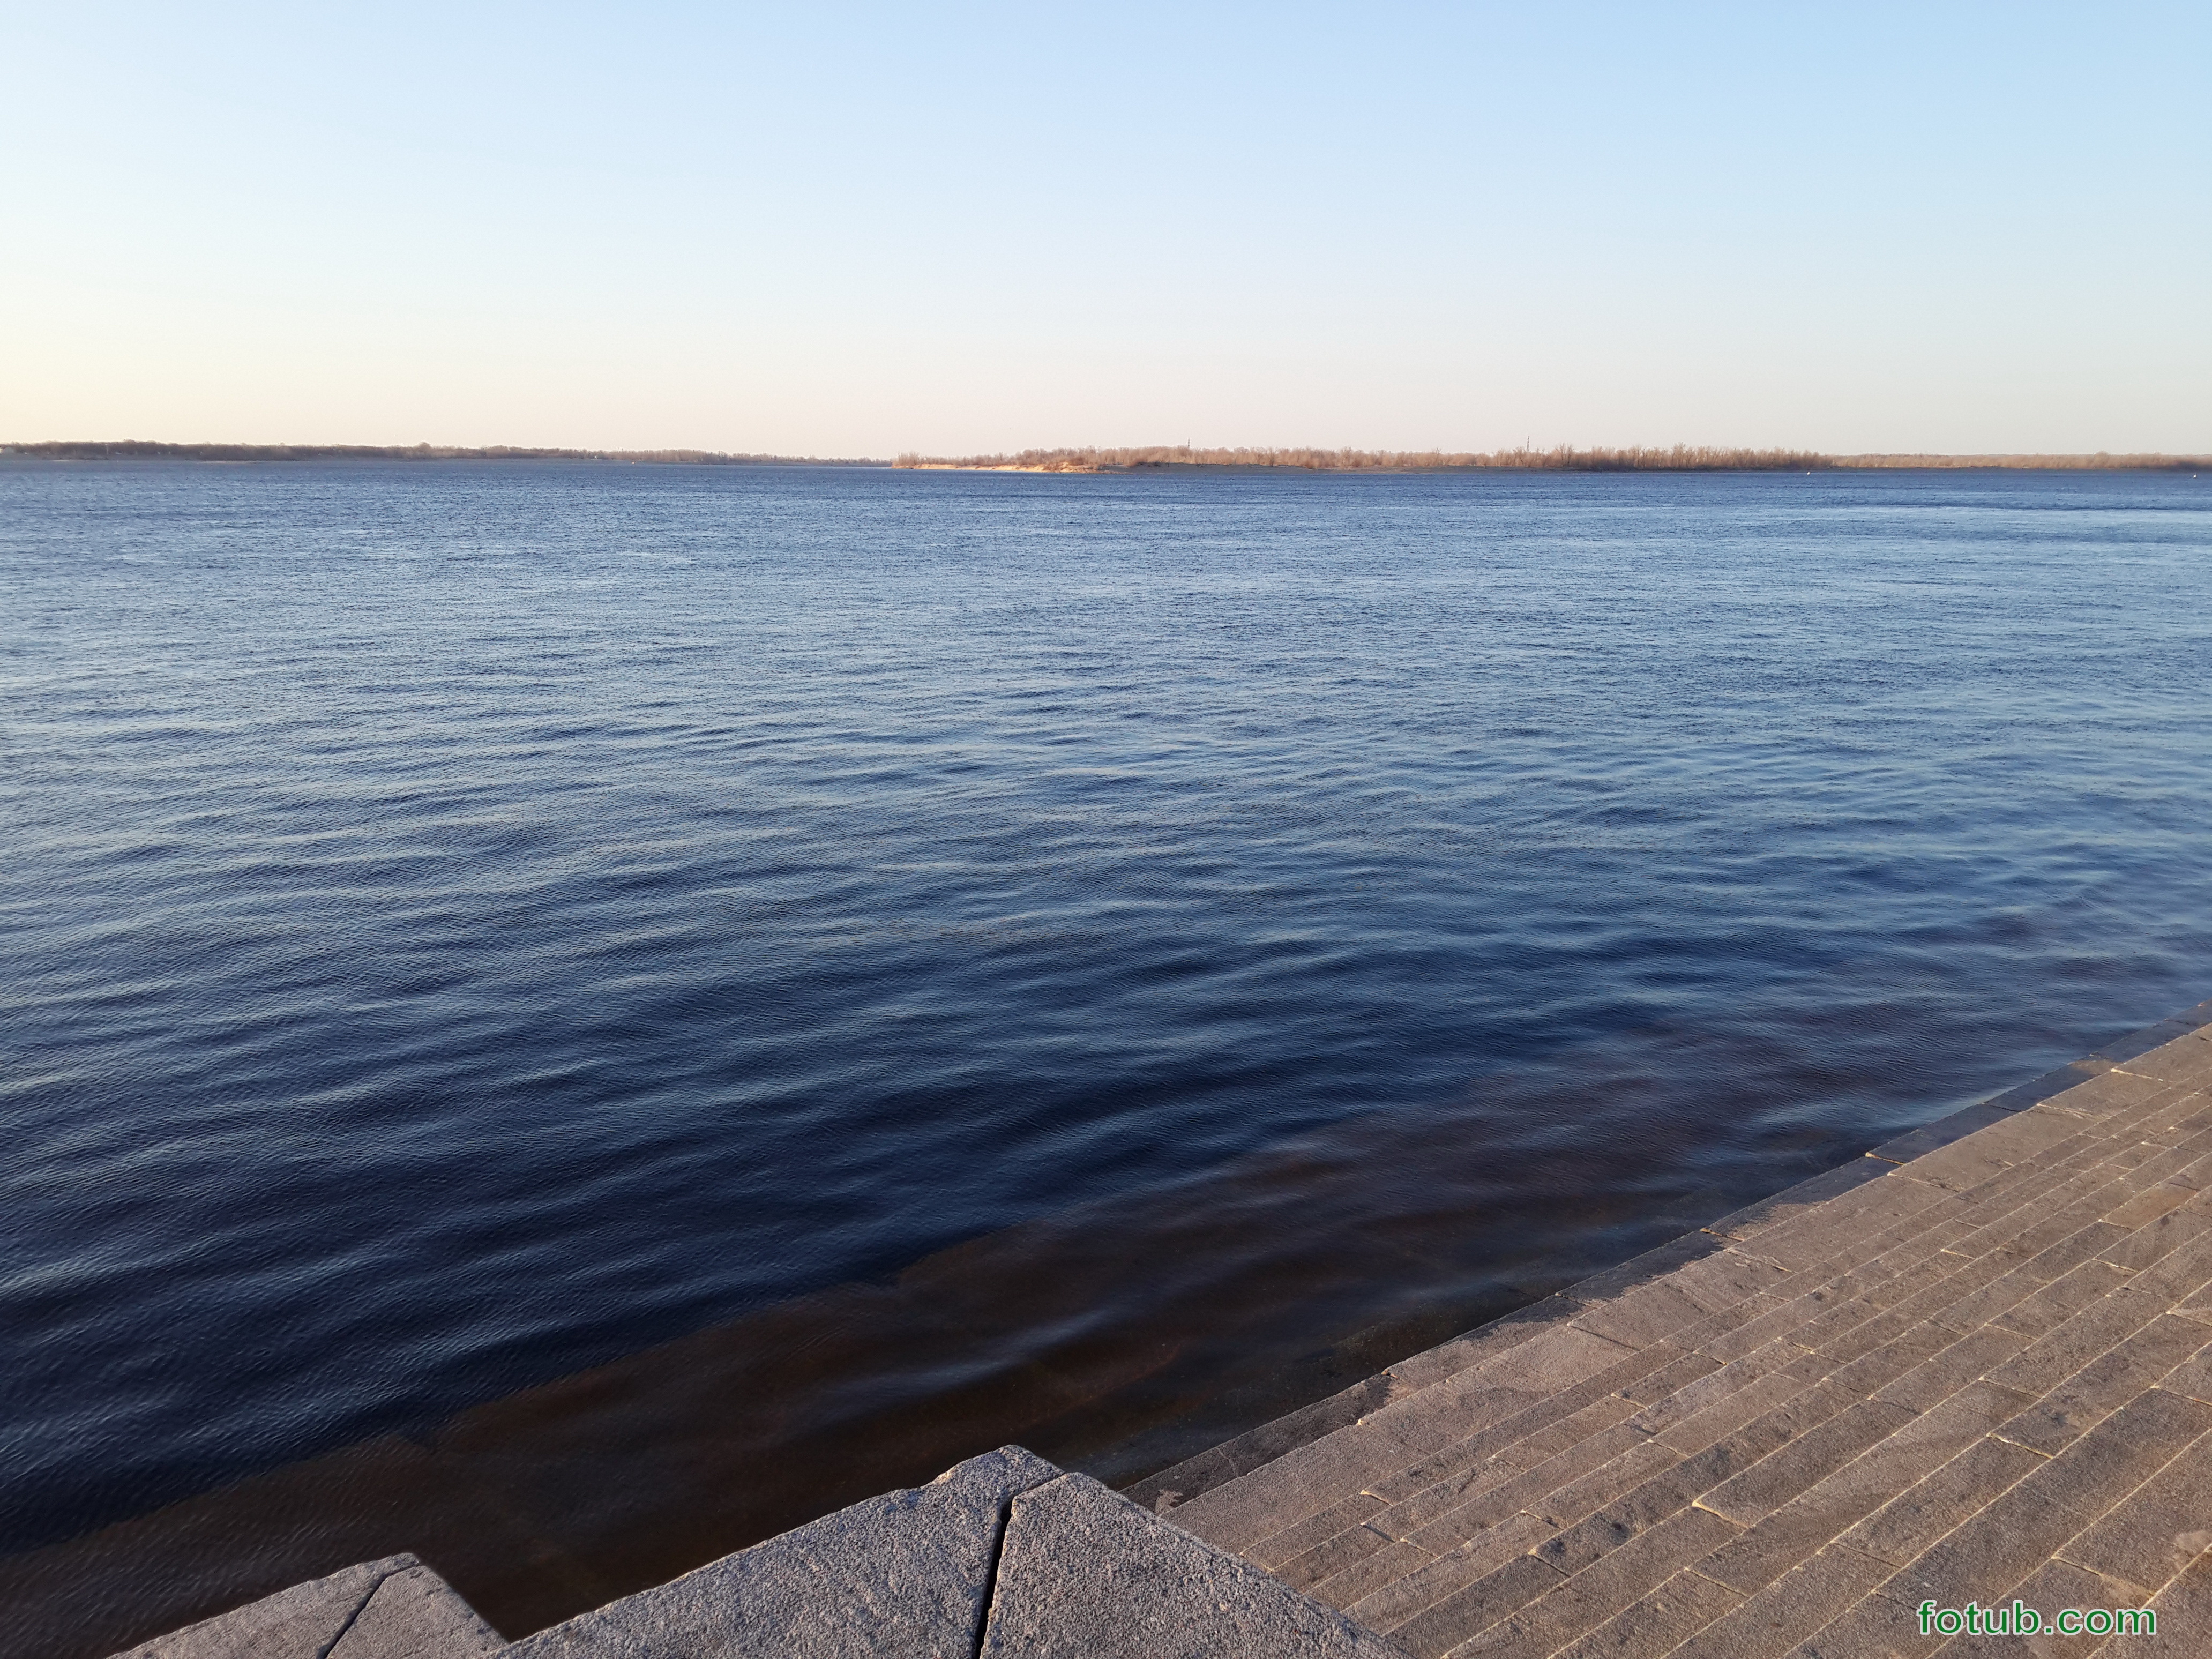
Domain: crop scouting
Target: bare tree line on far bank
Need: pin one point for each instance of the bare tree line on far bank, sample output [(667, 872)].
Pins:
[(135, 449), (1679, 457)]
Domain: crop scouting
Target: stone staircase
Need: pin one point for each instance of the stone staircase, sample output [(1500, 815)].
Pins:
[(1001, 1555)]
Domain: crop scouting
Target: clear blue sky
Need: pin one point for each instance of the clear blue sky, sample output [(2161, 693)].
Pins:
[(858, 230)]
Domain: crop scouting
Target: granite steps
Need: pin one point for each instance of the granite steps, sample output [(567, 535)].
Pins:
[(1780, 1434)]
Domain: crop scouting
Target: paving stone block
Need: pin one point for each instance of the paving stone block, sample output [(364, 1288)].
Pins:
[(1646, 1314), (1351, 1511), (1700, 1393), (1903, 1335), (1553, 1359), (2025, 1199), (1394, 1561), (2108, 1092), (2147, 1206), (1301, 1555), (1831, 1506), (2181, 1151), (1932, 1136), (1770, 1213), (1989, 1288), (1591, 1474), (2053, 1587), (2027, 1196), (2156, 1240), (1768, 1325), (1679, 1372), (1808, 1596), (906, 1574), (2127, 1157), (1783, 1474), (1917, 1517), (2105, 1384), (2062, 1301), (1708, 1335), (1441, 1429), (1504, 1481), (1727, 1277), (1609, 1484), (1344, 1553), (2071, 1344), (1309, 1479), (1870, 1261), (2197, 1177), (1651, 1503), (1465, 1404), (2095, 1240), (1873, 1627), (1998, 1546), (1195, 1476), (415, 1615), (1727, 1414), (1762, 1436), (2174, 1122), (2019, 1137), (2178, 1275), (1607, 1411), (2193, 1376), (1085, 1574), (2050, 1212), (1819, 1235), (1391, 1606), (1868, 1299), (1662, 1261), (1447, 1360), (1623, 1577), (2033, 1276), (1948, 1221), (1940, 1239), (2138, 1043), (2122, 1050), (1445, 1478), (2185, 1059), (1964, 1363), (2184, 1613), (1899, 1357), (1466, 1613), (2151, 1120), (2054, 1082), (302, 1622), (2157, 1530), (1658, 1623)]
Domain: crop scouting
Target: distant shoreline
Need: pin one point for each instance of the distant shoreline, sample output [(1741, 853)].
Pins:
[(1681, 458), (1678, 458), (140, 450)]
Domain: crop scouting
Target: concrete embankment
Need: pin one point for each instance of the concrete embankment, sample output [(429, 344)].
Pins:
[(1974, 1366)]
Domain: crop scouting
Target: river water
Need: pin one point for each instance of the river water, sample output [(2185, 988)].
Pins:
[(884, 964)]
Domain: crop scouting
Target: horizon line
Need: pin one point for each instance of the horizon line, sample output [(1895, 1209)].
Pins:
[(1562, 457)]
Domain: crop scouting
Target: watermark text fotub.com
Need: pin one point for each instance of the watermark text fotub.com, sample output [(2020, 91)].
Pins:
[(2022, 1620)]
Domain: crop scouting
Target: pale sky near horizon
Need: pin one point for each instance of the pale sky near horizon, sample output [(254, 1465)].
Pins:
[(860, 230)]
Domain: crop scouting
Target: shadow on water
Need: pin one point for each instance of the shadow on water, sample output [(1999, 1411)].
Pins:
[(1117, 1337)]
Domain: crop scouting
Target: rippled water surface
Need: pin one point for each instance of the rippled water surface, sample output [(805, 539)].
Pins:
[(1094, 961)]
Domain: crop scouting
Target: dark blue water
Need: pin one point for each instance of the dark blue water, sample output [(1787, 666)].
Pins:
[(464, 923)]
